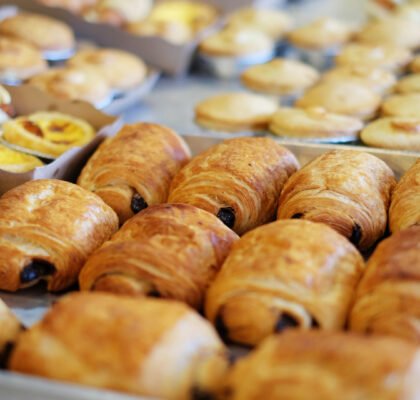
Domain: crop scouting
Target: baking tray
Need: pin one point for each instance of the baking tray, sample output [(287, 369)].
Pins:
[(31, 304)]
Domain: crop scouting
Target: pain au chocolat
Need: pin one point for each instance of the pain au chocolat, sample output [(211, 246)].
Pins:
[(134, 169), (48, 228), (167, 250), (287, 274), (239, 180)]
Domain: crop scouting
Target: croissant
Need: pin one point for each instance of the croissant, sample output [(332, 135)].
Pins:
[(287, 274), (326, 366), (10, 328), (345, 189), (134, 169), (169, 251), (48, 228), (405, 204), (239, 180), (388, 297), (147, 347)]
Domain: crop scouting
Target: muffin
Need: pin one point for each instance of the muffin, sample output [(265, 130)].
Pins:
[(402, 105), (408, 84), (314, 124)]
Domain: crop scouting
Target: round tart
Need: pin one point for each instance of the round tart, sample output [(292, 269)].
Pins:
[(314, 124), (234, 42), (19, 60), (384, 56), (402, 105), (49, 133), (394, 31), (408, 84), (342, 97), (15, 161), (121, 69), (45, 33), (280, 77), (400, 133), (272, 22), (323, 33), (235, 112), (172, 31), (415, 65), (377, 79), (75, 6), (75, 83)]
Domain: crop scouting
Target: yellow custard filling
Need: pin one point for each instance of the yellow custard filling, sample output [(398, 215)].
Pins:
[(15, 161)]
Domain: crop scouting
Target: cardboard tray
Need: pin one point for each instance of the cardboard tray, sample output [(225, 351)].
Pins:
[(27, 100), (31, 304)]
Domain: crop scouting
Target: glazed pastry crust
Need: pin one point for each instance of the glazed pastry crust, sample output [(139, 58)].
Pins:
[(172, 251), (43, 32), (405, 210), (10, 328), (346, 189), (326, 366), (243, 174), (141, 160), (298, 270), (388, 297), (54, 222), (145, 347)]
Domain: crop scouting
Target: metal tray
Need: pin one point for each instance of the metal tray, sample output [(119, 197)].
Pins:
[(31, 304)]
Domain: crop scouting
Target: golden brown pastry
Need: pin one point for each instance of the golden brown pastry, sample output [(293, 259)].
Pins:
[(415, 65), (388, 297), (172, 251), (45, 33), (49, 133), (148, 347), (239, 180), (48, 228), (287, 274), (19, 60), (121, 69), (326, 366), (402, 105), (134, 169), (15, 161), (10, 328), (348, 190), (405, 204), (408, 84)]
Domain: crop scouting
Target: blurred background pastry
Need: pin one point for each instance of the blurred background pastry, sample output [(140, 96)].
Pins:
[(16, 161), (402, 105), (408, 84), (6, 106), (75, 6), (415, 65)]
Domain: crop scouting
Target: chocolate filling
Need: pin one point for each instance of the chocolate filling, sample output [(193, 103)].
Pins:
[(5, 354), (285, 321), (221, 327), (314, 323), (154, 293), (138, 203), (200, 394), (356, 234), (227, 216), (297, 216), (36, 270)]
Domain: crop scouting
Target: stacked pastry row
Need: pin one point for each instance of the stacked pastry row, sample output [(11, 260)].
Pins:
[(94, 75), (176, 21), (178, 240)]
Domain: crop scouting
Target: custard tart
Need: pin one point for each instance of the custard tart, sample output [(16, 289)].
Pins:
[(15, 161)]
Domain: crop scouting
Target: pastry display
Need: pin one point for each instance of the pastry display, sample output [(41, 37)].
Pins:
[(348, 190), (75, 83), (401, 133), (395, 31), (48, 133), (48, 228), (408, 84), (314, 123), (388, 297), (191, 243), (405, 210), (239, 180), (334, 97), (121, 69), (326, 366), (235, 112), (47, 34), (281, 77), (389, 57), (273, 22), (379, 80), (10, 328), (145, 347), (290, 274), (134, 169), (19, 60), (402, 105), (16, 161), (415, 65)]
